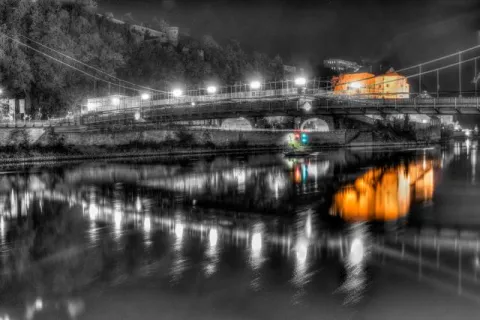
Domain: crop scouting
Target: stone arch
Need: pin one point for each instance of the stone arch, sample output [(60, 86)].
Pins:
[(315, 124), (237, 123)]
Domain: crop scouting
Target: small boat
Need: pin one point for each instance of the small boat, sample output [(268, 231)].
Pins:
[(296, 153)]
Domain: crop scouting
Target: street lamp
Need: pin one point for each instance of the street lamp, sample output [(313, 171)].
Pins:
[(255, 85), (115, 101), (177, 93), (301, 81), (145, 96), (212, 89)]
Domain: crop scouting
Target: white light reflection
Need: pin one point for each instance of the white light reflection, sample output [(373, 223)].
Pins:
[(308, 225), (2, 231), (179, 262), (138, 204), (355, 281), (301, 252), (147, 228), (257, 243), (213, 237), (468, 144), (301, 277), (357, 252), (256, 258), (93, 211), (147, 224), (212, 253), (473, 161), (179, 230), (117, 219), (456, 149)]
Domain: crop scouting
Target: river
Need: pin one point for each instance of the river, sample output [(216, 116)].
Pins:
[(342, 234)]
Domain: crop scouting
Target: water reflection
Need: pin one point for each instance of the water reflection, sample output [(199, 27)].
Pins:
[(356, 278), (140, 218), (385, 193)]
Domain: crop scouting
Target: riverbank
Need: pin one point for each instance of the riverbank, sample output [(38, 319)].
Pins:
[(35, 155)]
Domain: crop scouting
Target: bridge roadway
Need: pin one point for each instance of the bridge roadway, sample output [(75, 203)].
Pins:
[(274, 103)]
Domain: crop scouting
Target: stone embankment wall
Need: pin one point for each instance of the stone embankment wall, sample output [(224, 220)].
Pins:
[(218, 138), (8, 136)]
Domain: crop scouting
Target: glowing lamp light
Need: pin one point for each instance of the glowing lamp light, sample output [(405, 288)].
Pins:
[(177, 93), (1, 91), (212, 90), (39, 304), (193, 104), (115, 101), (90, 106), (255, 85), (355, 85), (357, 252), (468, 133), (145, 96), (137, 115), (300, 81), (424, 121)]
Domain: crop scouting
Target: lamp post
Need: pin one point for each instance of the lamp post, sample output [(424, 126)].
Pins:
[(301, 82), (177, 93), (255, 85), (211, 90)]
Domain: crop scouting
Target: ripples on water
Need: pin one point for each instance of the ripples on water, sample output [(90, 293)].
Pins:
[(264, 223)]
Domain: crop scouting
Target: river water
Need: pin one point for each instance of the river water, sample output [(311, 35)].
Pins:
[(344, 234)]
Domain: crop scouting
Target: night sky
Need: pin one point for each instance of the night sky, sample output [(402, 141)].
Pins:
[(304, 33)]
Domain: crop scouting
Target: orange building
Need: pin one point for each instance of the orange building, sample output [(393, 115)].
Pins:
[(366, 85), (354, 83), (391, 85)]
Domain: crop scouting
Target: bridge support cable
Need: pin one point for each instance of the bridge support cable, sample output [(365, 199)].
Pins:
[(474, 80), (86, 73), (460, 74), (438, 82), (87, 65), (419, 79)]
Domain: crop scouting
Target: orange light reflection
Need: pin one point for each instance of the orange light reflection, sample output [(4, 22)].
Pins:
[(385, 194)]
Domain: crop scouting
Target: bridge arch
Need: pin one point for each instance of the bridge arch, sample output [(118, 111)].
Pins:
[(237, 124), (315, 124)]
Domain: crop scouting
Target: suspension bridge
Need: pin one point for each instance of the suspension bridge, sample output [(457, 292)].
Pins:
[(300, 97)]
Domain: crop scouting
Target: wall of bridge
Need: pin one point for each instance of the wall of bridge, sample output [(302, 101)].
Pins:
[(217, 137), (220, 138)]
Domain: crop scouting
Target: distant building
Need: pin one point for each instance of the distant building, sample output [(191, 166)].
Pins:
[(339, 65), (170, 35)]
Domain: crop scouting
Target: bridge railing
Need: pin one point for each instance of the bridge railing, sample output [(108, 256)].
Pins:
[(276, 89), (38, 123)]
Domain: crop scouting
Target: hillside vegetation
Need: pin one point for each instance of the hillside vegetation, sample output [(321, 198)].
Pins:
[(75, 29)]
